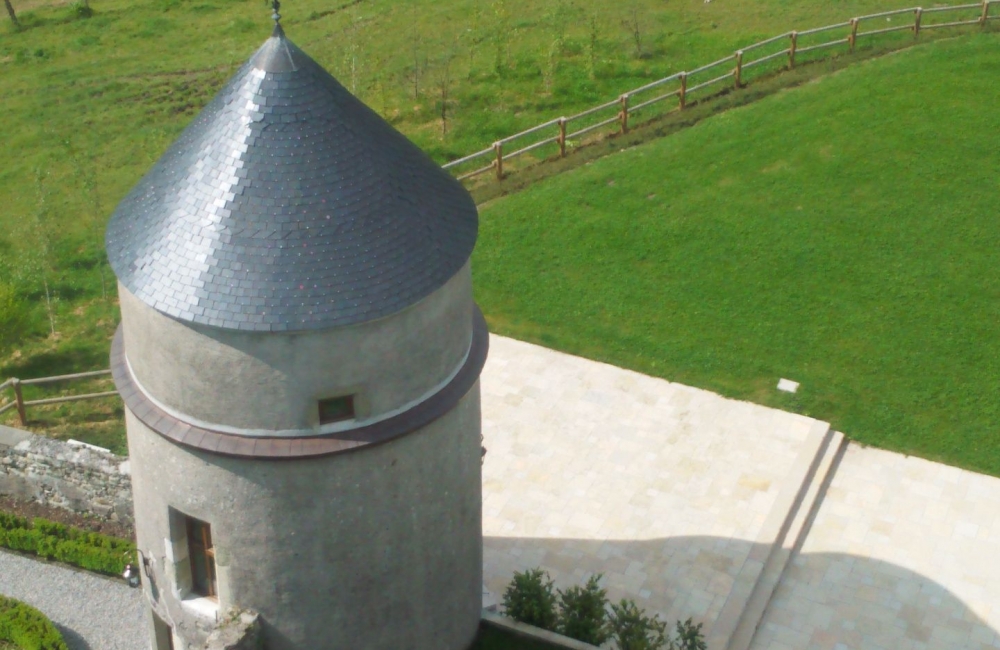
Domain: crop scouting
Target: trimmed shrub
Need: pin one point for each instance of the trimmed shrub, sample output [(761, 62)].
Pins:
[(50, 528), (28, 628), (689, 637), (9, 521), (21, 539), (633, 630), (55, 541), (583, 612), (529, 599)]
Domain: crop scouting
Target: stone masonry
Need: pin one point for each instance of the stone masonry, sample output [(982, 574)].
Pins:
[(76, 477)]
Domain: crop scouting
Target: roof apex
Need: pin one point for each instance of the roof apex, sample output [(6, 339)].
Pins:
[(287, 204)]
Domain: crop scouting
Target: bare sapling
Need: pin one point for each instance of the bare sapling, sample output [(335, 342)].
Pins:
[(417, 63), (501, 37), (475, 37), (592, 47), (444, 90), (42, 258), (633, 25), (557, 19)]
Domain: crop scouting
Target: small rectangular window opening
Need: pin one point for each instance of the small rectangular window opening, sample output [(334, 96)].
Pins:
[(336, 409), (202, 555)]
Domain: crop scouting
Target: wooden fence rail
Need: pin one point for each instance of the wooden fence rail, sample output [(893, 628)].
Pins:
[(21, 404), (626, 105)]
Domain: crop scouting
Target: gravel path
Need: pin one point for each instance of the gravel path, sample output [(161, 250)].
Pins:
[(92, 612)]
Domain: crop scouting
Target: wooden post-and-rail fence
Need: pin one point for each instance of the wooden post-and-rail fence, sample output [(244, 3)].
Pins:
[(21, 405), (740, 61), (624, 107)]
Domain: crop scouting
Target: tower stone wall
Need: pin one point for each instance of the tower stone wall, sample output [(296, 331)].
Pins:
[(247, 383), (299, 359), (379, 548)]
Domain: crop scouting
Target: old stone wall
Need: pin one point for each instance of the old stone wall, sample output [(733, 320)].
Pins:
[(76, 477)]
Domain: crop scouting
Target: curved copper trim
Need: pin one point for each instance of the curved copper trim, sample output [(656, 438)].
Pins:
[(228, 444)]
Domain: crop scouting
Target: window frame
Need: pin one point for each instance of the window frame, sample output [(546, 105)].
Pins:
[(198, 536), (350, 409)]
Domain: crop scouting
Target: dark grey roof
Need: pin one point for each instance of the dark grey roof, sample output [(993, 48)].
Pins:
[(289, 205)]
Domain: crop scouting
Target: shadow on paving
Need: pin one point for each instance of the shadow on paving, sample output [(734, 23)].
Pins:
[(825, 601), (72, 639)]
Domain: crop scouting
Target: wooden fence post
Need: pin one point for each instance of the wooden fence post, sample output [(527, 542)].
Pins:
[(562, 137), (683, 90), (985, 14), (623, 115), (19, 398), (791, 49), (498, 163), (738, 72), (852, 39), (918, 12)]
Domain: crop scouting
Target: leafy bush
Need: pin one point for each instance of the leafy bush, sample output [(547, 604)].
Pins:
[(583, 615), (9, 521), (633, 630), (50, 528), (55, 541), (82, 9), (27, 628), (529, 599), (583, 612), (689, 637)]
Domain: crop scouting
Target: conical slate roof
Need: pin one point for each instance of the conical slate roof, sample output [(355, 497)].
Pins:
[(289, 205)]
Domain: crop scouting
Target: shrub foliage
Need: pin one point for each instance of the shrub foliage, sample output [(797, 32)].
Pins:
[(583, 615), (583, 612), (633, 630), (55, 541), (529, 598), (689, 637), (27, 628)]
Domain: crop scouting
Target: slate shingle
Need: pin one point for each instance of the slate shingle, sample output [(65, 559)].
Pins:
[(291, 189)]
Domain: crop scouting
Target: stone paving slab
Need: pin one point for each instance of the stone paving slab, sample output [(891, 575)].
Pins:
[(661, 487), (904, 554), (10, 437)]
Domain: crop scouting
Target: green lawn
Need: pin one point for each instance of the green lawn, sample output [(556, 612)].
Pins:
[(843, 235), (91, 103)]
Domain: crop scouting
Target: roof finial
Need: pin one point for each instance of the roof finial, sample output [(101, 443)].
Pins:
[(275, 4)]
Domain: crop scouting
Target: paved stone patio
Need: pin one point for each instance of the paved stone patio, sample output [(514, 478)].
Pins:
[(904, 555), (678, 495)]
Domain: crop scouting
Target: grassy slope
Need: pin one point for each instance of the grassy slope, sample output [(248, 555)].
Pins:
[(89, 104), (842, 235)]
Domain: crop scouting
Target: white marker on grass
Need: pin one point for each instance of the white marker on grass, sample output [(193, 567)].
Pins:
[(788, 385)]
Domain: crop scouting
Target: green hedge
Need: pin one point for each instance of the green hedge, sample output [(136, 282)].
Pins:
[(28, 628), (54, 541)]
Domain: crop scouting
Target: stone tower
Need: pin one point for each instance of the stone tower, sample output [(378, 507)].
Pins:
[(299, 357)]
